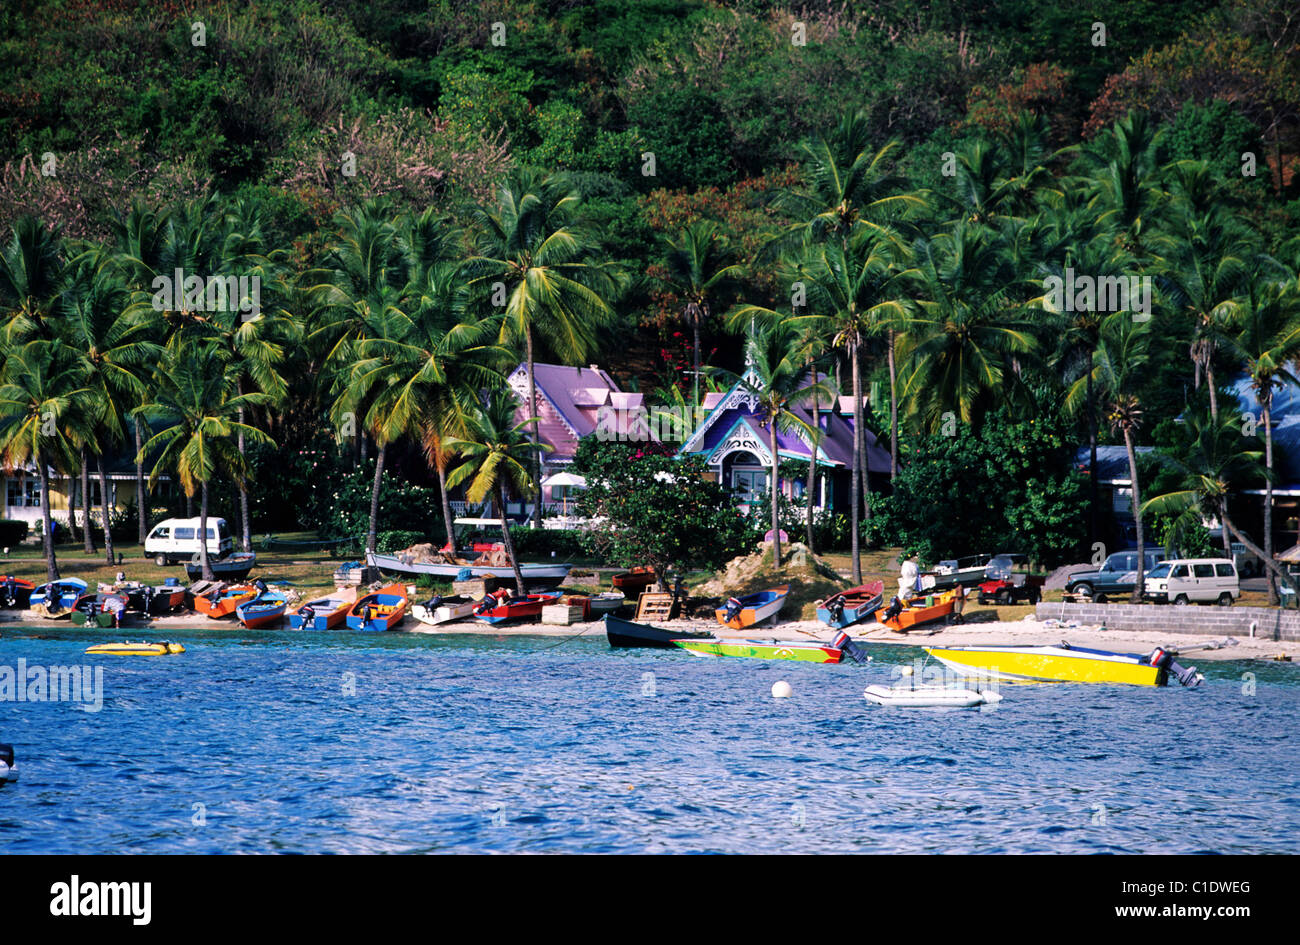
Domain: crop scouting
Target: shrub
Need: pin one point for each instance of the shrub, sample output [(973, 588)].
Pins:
[(541, 542), (390, 542), (13, 532)]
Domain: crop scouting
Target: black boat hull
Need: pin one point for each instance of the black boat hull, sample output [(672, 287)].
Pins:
[(625, 633)]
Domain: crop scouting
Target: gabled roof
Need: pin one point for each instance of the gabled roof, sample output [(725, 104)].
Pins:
[(1112, 463), (1285, 413), (575, 395)]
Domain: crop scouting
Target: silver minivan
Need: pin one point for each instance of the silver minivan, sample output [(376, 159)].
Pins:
[(176, 539), (1188, 580)]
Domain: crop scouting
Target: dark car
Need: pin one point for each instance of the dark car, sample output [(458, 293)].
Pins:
[(1116, 577)]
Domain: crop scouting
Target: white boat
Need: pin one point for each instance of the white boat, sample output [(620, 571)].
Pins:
[(930, 696), (607, 603), (548, 574), (444, 610), (8, 766)]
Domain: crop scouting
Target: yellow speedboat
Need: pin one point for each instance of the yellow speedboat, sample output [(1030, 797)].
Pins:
[(1064, 663), (135, 649)]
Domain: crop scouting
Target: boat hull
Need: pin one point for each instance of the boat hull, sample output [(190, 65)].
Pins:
[(626, 634), (540, 575), (929, 697), (523, 609), (915, 616), (135, 649), (381, 611), (225, 603), (858, 603), (755, 608), (756, 649), (329, 613), (448, 610), (262, 611), (232, 568), (1050, 664)]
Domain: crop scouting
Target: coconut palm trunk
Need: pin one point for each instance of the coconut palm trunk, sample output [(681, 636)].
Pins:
[(812, 466), (1266, 408), (1275, 571), (87, 541), (446, 507), (695, 363), (246, 529), (51, 563), (532, 427), (855, 548), (774, 493), (509, 542), (1136, 598), (893, 410), (204, 561), (141, 516), (1093, 497), (374, 500), (105, 518)]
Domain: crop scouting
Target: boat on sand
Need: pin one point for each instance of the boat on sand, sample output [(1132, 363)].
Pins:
[(741, 612), (848, 607)]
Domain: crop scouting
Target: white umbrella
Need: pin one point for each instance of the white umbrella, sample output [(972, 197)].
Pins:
[(564, 479)]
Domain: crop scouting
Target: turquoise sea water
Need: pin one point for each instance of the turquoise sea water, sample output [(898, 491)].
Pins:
[(349, 743)]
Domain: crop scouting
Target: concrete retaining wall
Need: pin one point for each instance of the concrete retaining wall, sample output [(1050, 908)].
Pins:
[(1210, 620)]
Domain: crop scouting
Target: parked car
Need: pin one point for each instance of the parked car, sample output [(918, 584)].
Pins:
[(1116, 577), (1005, 584), (176, 539), (1200, 580)]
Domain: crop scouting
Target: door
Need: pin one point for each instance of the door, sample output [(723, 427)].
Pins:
[(748, 485), (1205, 583)]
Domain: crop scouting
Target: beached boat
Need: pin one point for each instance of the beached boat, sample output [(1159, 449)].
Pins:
[(323, 613), (233, 567), (902, 616), (799, 650), (634, 581), (135, 649), (263, 610), (912, 697), (848, 607), (15, 591), (224, 599), (153, 599), (746, 611), (438, 610), (607, 603), (496, 609), (1065, 663), (382, 610), (99, 610), (535, 575), (626, 633), (57, 598)]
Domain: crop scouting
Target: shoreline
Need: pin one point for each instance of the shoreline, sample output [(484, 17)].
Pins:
[(1022, 632)]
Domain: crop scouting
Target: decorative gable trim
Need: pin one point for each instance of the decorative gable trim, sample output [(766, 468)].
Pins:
[(741, 436), (738, 398)]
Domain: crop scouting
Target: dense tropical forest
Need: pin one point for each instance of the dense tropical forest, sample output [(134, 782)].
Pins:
[(1009, 228)]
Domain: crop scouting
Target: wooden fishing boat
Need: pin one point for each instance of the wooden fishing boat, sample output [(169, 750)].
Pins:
[(153, 599), (1065, 663), (535, 575), (495, 609), (607, 603), (135, 649), (382, 610), (634, 581), (233, 567), (625, 633), (99, 610), (323, 613), (916, 611), (437, 610), (798, 650), (848, 607), (742, 612), (15, 591), (224, 599), (263, 610), (57, 598)]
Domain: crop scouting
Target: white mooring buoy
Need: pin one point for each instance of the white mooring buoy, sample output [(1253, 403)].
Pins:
[(781, 690)]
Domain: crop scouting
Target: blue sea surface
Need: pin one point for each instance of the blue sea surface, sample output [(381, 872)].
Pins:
[(286, 742)]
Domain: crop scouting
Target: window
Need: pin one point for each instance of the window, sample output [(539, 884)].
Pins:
[(1179, 572), (1225, 570), (1203, 570), (161, 532), (747, 485), (23, 493), (184, 534)]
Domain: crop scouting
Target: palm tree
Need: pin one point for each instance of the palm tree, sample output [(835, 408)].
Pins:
[(44, 406), (779, 378), (1128, 195), (31, 275), (1119, 364), (971, 334), (1211, 462), (1267, 345), (495, 452), (197, 397), (533, 253), (701, 267), (118, 352)]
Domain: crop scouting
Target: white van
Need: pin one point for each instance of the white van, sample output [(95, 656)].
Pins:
[(1184, 580), (176, 539)]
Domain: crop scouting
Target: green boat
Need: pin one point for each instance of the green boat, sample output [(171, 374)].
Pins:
[(765, 650)]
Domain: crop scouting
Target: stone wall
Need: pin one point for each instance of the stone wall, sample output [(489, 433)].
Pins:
[(1211, 620)]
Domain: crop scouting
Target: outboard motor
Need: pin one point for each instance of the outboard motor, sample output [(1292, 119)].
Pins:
[(307, 612), (835, 607), (260, 585), (7, 592), (895, 608), (8, 768), (433, 603), (1164, 659), (844, 643), (734, 607)]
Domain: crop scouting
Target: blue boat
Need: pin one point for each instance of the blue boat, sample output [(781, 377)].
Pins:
[(323, 613), (57, 598), (263, 610), (849, 607)]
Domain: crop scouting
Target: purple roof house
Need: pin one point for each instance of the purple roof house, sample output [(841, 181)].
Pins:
[(734, 440)]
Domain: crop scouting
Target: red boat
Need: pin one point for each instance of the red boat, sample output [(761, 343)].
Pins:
[(498, 607), (633, 582)]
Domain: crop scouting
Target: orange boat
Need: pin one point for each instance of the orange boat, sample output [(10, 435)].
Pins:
[(225, 600), (382, 610), (901, 616), (633, 582)]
